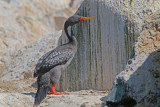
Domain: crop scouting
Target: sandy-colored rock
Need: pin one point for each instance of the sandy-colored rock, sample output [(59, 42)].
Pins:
[(16, 100), (139, 83), (24, 21), (21, 93), (20, 64), (75, 99), (18, 86), (59, 21)]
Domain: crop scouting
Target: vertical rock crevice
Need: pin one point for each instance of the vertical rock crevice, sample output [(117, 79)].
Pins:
[(105, 45), (109, 45), (139, 81)]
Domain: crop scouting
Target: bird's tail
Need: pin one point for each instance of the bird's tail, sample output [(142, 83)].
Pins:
[(41, 94)]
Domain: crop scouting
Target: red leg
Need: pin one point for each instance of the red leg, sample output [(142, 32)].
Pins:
[(55, 93)]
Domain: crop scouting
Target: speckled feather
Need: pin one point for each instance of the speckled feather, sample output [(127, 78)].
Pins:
[(50, 65), (52, 59)]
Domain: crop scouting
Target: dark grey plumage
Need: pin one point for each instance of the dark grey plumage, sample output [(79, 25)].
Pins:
[(52, 59), (50, 65)]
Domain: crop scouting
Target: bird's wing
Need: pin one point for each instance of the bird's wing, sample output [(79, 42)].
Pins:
[(52, 59), (39, 63)]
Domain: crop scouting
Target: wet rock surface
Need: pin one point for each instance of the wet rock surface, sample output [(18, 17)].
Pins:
[(106, 43)]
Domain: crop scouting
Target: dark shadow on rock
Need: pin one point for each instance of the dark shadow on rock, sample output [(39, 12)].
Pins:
[(71, 3), (142, 87), (30, 94), (34, 85)]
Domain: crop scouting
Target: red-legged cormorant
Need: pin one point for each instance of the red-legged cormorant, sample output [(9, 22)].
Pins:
[(50, 65)]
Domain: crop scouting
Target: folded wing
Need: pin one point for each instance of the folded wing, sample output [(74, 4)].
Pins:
[(52, 59)]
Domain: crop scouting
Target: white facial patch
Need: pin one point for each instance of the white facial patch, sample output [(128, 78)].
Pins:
[(69, 30)]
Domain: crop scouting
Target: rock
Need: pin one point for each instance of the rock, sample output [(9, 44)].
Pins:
[(105, 46), (59, 21), (73, 100), (21, 93), (106, 43), (16, 100), (103, 49), (24, 21), (21, 63), (138, 83)]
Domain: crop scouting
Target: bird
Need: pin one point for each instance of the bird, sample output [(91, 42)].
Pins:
[(49, 66)]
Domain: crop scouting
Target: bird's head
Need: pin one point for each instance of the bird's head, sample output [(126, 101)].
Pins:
[(76, 19)]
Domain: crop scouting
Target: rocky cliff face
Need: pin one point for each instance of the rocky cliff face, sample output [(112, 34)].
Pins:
[(27, 20), (118, 25), (106, 43), (139, 82)]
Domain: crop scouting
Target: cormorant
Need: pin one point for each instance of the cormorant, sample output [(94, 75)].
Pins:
[(50, 65)]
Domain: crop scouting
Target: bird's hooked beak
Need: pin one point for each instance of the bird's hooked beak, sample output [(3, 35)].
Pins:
[(87, 18)]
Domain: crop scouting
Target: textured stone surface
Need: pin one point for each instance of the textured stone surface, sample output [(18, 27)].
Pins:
[(140, 80), (103, 48), (20, 93), (138, 83), (20, 64), (106, 43), (24, 21), (16, 100), (82, 98)]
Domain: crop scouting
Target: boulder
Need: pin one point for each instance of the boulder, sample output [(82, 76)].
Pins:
[(139, 84), (24, 21), (20, 64)]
